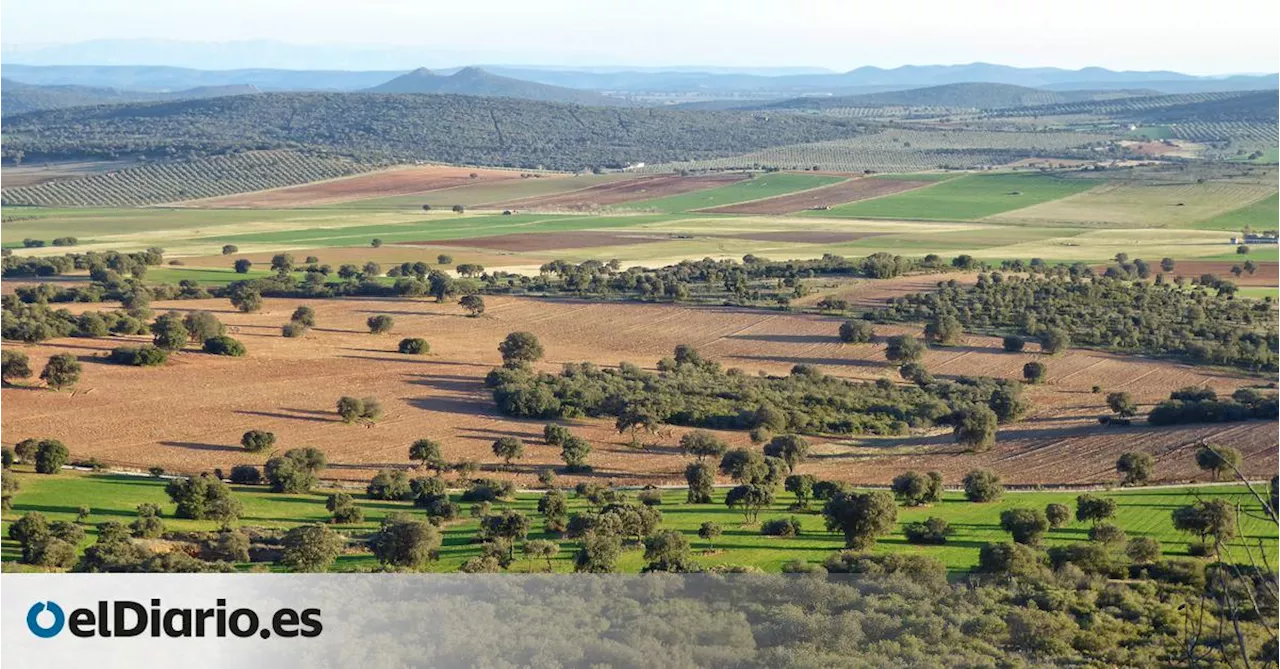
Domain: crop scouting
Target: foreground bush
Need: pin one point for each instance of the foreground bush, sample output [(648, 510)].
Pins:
[(224, 345), (138, 356), (414, 346)]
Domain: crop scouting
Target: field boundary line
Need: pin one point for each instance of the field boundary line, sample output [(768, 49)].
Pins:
[(705, 210)]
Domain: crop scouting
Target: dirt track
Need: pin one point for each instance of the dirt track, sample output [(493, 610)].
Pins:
[(189, 414)]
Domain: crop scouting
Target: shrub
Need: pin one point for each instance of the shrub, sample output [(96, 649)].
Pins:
[(242, 265), (203, 497), (914, 488), (14, 365), (1217, 459), (1034, 372), (1026, 525), (1054, 341), (574, 451), (50, 456), (293, 330), (256, 441), (856, 332), (1122, 404), (246, 475), (380, 324), (202, 325), (903, 348), (931, 531), (982, 485), (1014, 343), (296, 471), (311, 548), (1094, 509), (651, 497), (860, 517), (414, 346), (508, 448), (1135, 468), (700, 444), (1057, 515), (975, 428), (359, 410), (61, 371), (389, 485), (138, 356), (554, 434), (791, 448), (781, 527), (520, 348), (304, 315), (1106, 533), (1008, 559), (224, 346)]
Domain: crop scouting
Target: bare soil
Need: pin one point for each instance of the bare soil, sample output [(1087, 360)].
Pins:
[(189, 414), (395, 181), (1267, 274), (639, 188), (827, 196)]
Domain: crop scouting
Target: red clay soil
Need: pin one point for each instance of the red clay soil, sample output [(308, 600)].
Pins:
[(639, 188), (397, 181), (828, 196), (1267, 274), (188, 414), (545, 241)]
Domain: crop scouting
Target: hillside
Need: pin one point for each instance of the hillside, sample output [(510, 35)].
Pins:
[(20, 98), (964, 95), (442, 128), (475, 81), (1252, 107)]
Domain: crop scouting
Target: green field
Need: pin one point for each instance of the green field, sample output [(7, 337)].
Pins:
[(763, 186), (1259, 215), (965, 198), (1142, 512)]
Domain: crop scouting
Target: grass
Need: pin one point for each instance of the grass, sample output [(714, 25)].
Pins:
[(1145, 205), (964, 198), (763, 186), (1141, 512), (1259, 215)]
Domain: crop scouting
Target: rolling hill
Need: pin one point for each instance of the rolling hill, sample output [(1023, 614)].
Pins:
[(963, 95), (475, 81), (20, 98), (388, 128), (1251, 107)]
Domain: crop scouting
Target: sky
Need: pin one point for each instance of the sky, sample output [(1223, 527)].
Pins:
[(1227, 36)]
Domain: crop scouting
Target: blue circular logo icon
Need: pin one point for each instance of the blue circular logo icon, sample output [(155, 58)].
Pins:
[(33, 619)]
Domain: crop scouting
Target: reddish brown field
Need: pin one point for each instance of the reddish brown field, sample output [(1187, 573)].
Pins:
[(189, 414), (639, 188), (396, 181), (1267, 274), (385, 255), (827, 196)]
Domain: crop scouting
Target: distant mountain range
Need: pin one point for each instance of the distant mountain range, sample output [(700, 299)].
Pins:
[(632, 82), (475, 81), (20, 98), (976, 95)]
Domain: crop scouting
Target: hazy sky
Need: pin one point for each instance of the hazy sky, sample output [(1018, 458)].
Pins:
[(1196, 37)]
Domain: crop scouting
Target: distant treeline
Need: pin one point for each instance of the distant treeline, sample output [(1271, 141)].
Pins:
[(1202, 322)]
